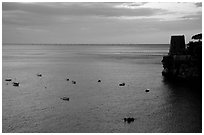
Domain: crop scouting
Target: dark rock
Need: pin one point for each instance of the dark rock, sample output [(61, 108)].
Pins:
[(16, 84), (122, 84), (129, 120), (67, 79), (65, 98), (8, 79), (99, 80)]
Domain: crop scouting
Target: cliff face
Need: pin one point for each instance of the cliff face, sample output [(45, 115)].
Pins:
[(183, 63)]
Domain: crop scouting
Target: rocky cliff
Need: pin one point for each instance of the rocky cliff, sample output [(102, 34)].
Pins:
[(184, 62)]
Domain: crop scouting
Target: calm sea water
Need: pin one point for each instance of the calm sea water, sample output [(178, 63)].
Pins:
[(35, 106)]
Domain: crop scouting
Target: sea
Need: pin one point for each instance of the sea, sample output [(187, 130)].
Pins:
[(97, 103)]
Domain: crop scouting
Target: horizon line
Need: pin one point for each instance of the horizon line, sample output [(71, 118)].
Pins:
[(81, 43)]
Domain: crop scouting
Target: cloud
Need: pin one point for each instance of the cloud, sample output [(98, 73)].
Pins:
[(198, 4), (80, 9), (30, 29), (23, 18), (99, 21), (165, 11), (193, 17), (45, 14), (130, 5)]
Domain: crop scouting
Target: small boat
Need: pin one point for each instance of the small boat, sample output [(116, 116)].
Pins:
[(65, 98), (129, 120), (147, 90), (16, 84), (39, 75), (122, 84), (74, 82), (8, 79)]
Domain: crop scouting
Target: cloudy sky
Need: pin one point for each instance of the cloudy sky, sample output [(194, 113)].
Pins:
[(99, 22)]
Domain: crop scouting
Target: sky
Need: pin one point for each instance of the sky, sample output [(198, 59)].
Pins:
[(99, 23)]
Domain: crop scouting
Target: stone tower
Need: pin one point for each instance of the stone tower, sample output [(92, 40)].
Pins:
[(177, 46)]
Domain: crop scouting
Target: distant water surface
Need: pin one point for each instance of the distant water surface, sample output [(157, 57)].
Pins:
[(35, 106)]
